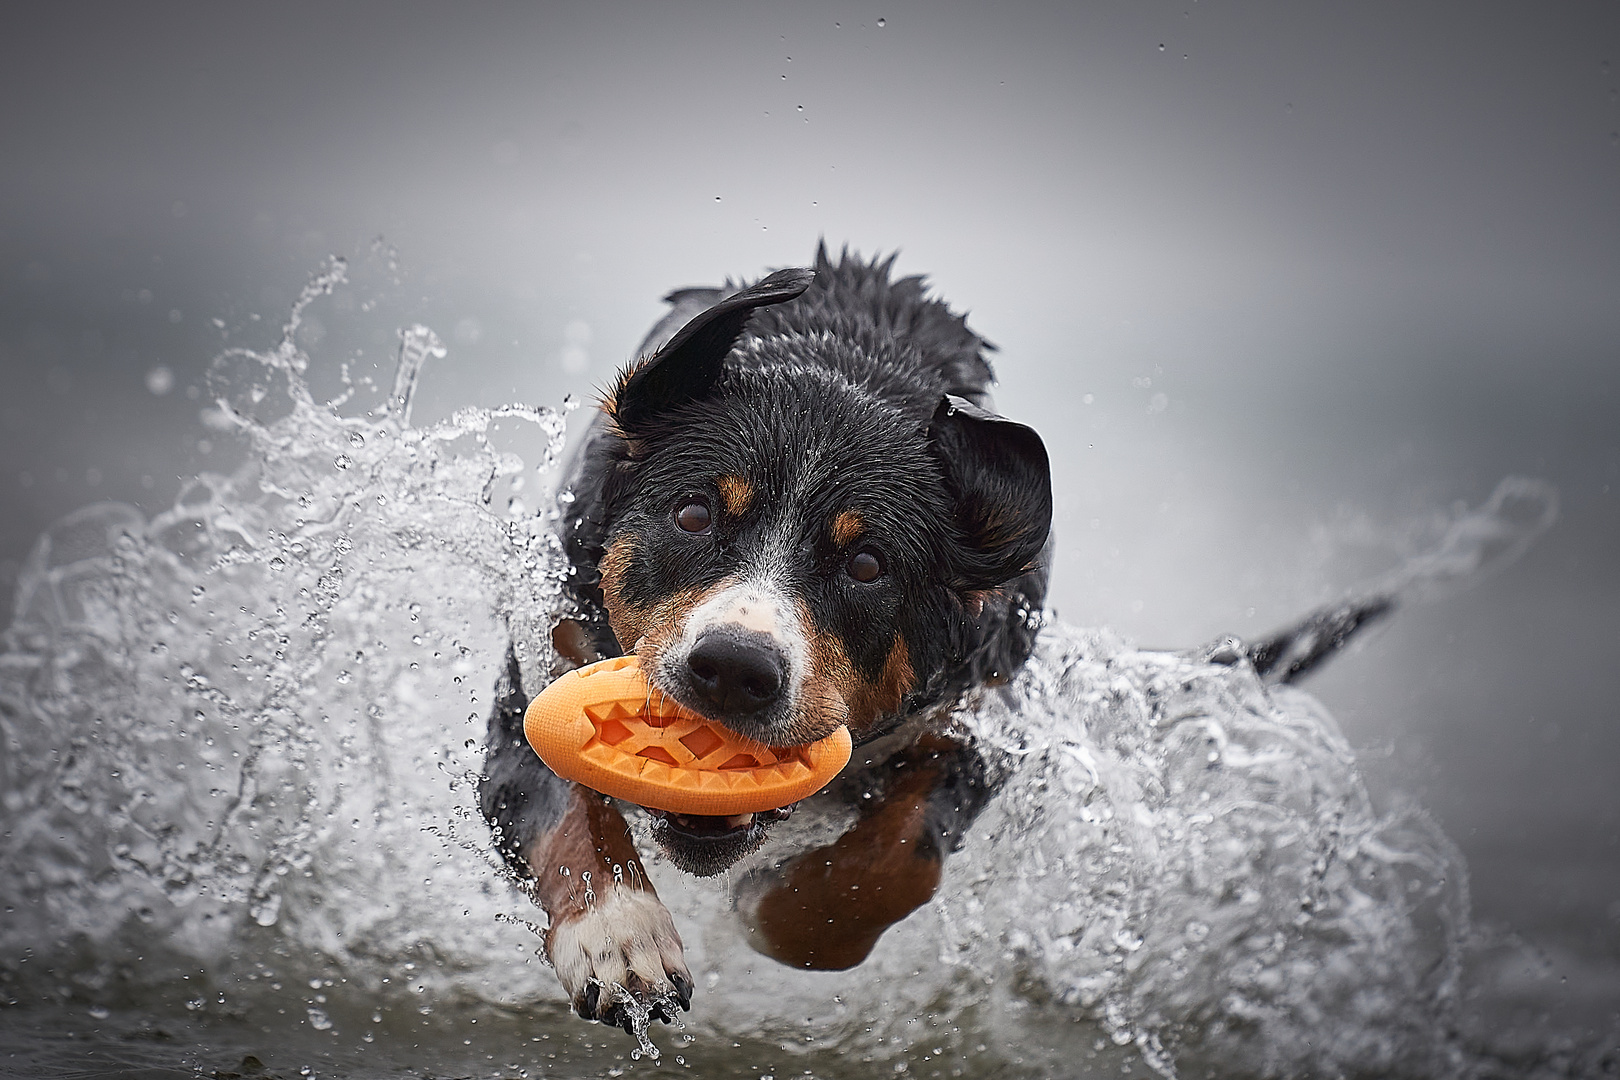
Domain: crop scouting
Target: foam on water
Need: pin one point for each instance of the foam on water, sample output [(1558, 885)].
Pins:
[(242, 739)]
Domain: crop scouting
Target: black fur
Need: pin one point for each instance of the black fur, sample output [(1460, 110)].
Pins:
[(834, 393), (834, 389), (837, 398), (519, 796)]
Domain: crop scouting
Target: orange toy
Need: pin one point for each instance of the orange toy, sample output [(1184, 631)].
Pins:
[(603, 726)]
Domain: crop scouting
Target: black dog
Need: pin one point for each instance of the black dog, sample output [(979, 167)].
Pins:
[(799, 512)]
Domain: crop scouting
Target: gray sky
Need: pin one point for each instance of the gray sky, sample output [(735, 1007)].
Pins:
[(1278, 283)]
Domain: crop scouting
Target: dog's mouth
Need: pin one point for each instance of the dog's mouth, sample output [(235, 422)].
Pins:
[(708, 826), (703, 845)]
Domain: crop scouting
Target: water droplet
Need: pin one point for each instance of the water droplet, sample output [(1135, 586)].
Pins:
[(278, 563), (357, 439), (343, 461), (882, 23), (265, 911)]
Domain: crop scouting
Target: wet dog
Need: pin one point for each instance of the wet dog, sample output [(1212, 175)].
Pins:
[(798, 509)]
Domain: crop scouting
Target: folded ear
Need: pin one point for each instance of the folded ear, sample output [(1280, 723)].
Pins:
[(688, 365), (998, 473)]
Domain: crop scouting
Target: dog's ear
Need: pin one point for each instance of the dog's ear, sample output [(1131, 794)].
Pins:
[(688, 365), (998, 473)]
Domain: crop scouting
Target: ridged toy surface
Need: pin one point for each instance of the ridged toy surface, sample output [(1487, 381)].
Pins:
[(605, 727)]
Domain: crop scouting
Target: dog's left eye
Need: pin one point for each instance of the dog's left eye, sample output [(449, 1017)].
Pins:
[(865, 566), (694, 517)]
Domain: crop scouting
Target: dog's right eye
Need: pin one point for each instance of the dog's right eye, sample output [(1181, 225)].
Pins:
[(694, 517)]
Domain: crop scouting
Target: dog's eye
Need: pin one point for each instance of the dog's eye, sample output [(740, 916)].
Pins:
[(694, 517), (865, 566)]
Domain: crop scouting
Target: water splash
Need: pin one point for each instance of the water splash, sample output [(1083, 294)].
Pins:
[(1477, 543), (239, 745), (267, 703)]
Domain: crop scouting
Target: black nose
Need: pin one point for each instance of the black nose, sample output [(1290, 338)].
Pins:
[(735, 672)]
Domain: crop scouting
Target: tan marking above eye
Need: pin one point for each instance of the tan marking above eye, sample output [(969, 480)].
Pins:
[(847, 527), (736, 494)]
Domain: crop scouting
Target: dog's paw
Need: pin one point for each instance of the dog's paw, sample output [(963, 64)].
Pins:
[(621, 955)]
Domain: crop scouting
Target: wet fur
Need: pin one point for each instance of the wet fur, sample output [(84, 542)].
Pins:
[(852, 415), (823, 419)]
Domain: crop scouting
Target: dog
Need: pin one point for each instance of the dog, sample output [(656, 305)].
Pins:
[(799, 510)]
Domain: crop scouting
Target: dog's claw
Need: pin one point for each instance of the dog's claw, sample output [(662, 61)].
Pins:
[(625, 944), (585, 1005), (683, 989)]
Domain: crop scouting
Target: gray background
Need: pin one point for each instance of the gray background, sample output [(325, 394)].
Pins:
[(1281, 285)]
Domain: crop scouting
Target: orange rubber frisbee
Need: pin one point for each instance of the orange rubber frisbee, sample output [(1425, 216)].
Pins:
[(603, 726)]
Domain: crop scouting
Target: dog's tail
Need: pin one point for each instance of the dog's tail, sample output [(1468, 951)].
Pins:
[(1289, 654), (1475, 544)]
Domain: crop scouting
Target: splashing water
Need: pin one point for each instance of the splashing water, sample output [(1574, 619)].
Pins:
[(252, 725), (241, 747)]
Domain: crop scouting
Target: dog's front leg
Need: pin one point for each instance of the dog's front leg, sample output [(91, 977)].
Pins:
[(608, 933), (826, 908), (608, 929)]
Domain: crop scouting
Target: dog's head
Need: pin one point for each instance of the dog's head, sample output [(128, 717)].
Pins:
[(800, 535)]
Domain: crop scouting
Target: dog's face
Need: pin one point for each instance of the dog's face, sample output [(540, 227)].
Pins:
[(793, 547)]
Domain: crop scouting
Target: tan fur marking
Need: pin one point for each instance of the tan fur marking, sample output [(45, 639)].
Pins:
[(874, 700), (615, 561), (646, 630), (736, 494), (847, 528), (832, 904), (834, 694), (591, 838)]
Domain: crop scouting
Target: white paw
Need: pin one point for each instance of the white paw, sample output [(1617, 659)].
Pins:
[(623, 945)]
